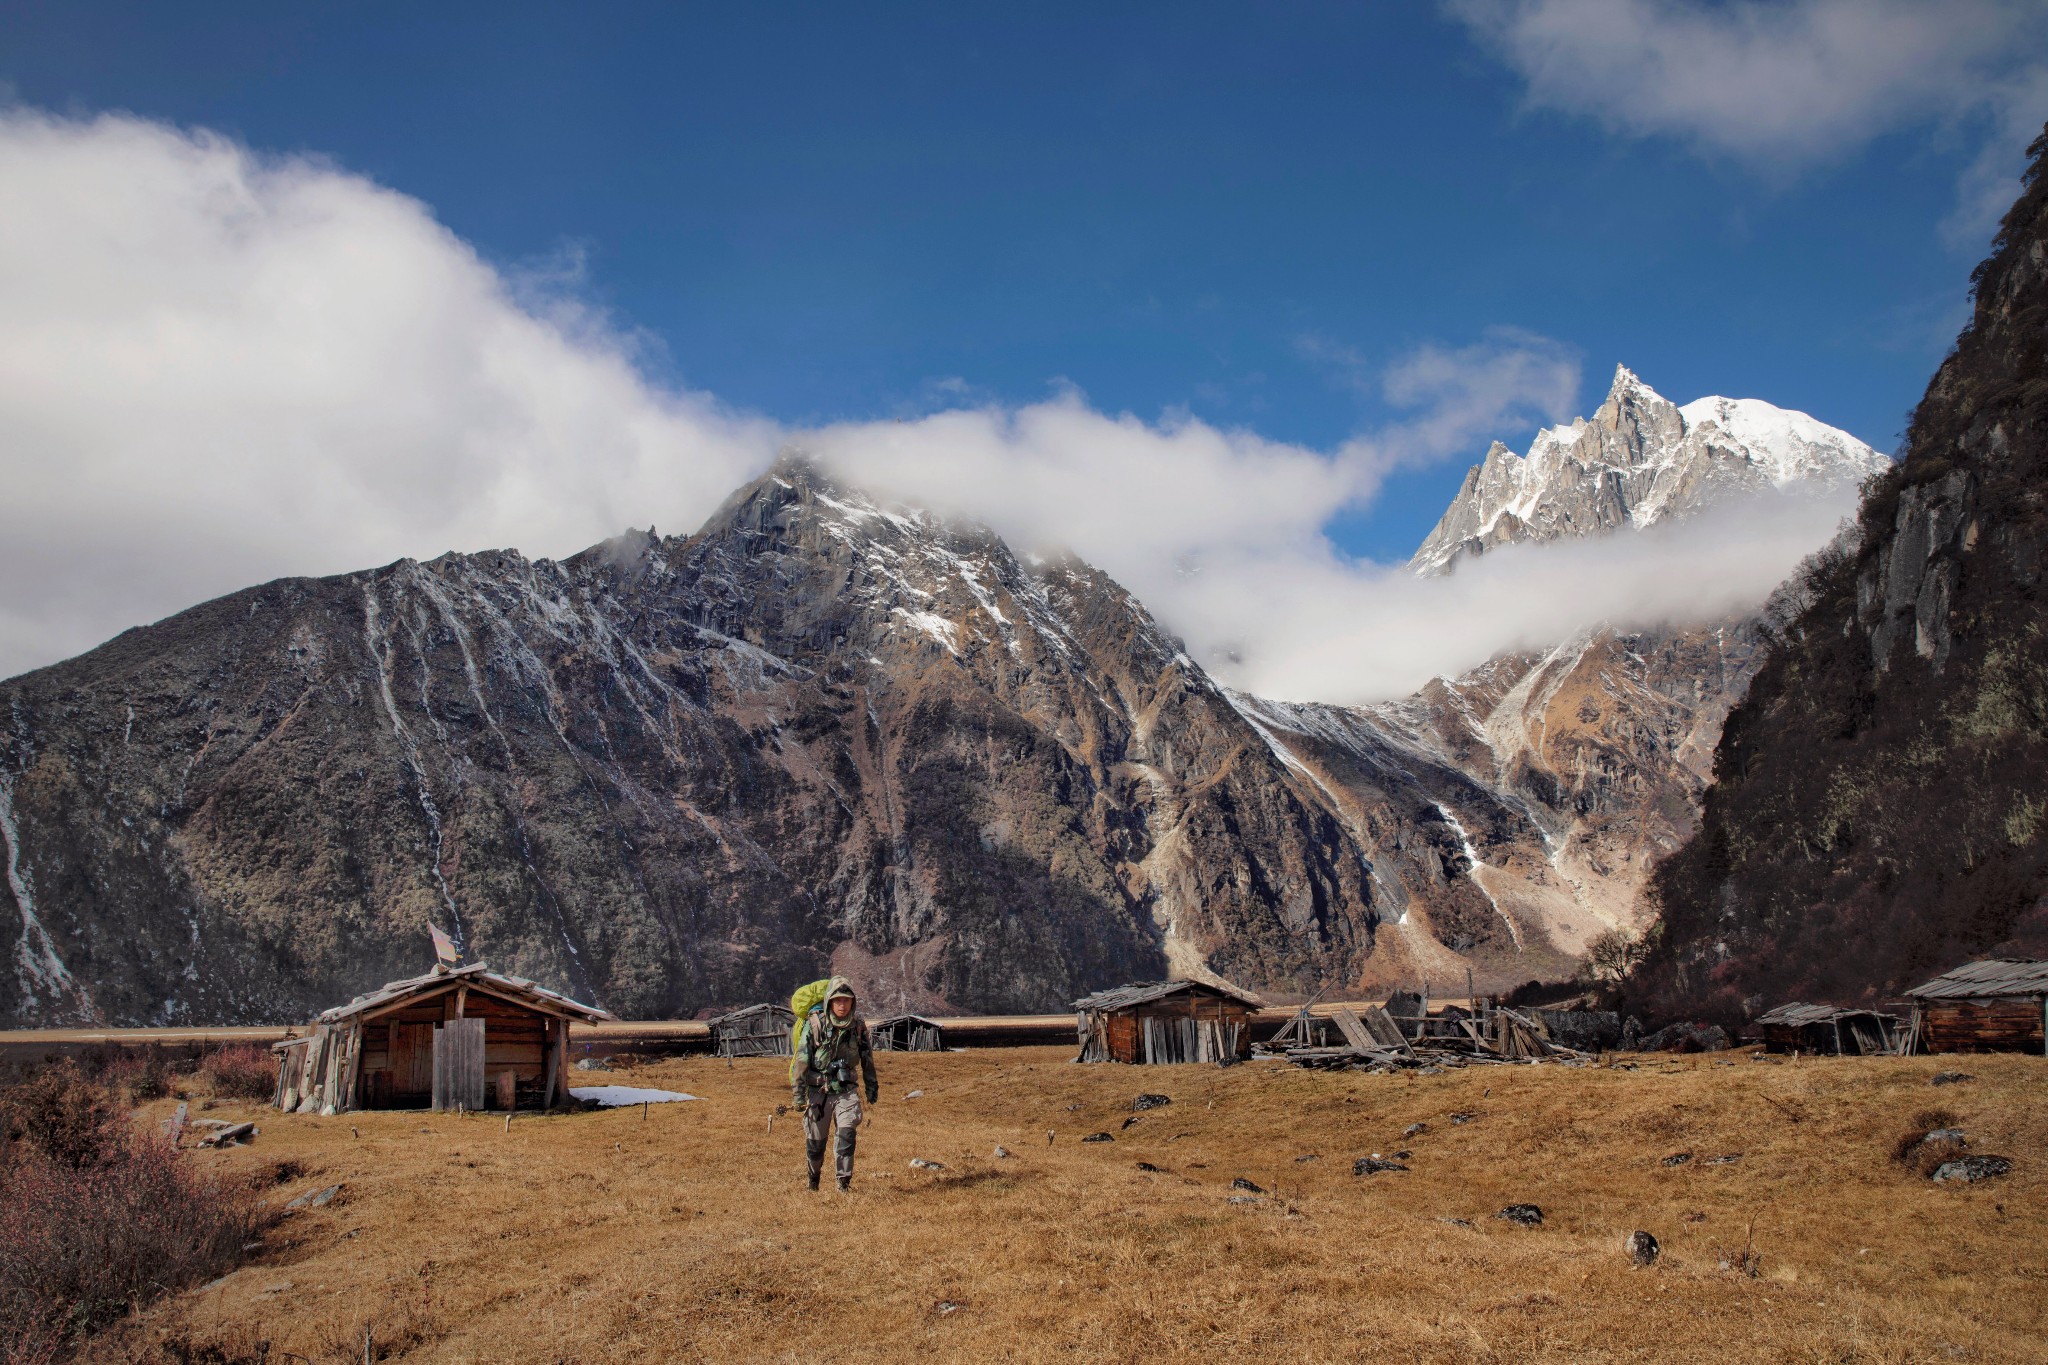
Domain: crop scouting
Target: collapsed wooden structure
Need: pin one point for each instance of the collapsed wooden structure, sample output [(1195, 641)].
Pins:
[(1829, 1030), (907, 1033), (1376, 1039), (1995, 1005), (1157, 1023), (455, 1038), (756, 1031)]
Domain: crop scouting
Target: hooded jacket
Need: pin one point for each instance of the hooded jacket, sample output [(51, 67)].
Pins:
[(832, 1048)]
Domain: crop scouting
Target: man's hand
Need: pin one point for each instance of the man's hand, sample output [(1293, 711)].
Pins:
[(872, 1096)]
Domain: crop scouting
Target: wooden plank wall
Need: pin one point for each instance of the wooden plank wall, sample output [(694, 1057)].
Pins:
[(2005, 1025)]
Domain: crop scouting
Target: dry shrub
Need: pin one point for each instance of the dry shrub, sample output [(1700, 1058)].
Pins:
[(71, 1120), (243, 1071), (95, 1218), (1916, 1153)]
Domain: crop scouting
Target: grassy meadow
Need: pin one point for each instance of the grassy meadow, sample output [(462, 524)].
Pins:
[(686, 1233)]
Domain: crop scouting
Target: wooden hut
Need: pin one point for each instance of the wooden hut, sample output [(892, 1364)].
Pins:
[(756, 1031), (1161, 1022), (907, 1033), (456, 1038), (1829, 1031), (1996, 1005)]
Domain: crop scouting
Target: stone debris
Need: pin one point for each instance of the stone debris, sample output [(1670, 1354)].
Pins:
[(1242, 1184), (1527, 1215), (1144, 1102), (1244, 1199), (1098, 1137), (1727, 1160), (1414, 1130), (1951, 1078), (1374, 1165), (1678, 1158), (1001, 1151), (1148, 1166), (1971, 1168), (1642, 1248), (592, 1064), (1307, 1156), (1456, 1222), (1461, 1117), (914, 1095), (918, 1163), (315, 1199), (1129, 1121)]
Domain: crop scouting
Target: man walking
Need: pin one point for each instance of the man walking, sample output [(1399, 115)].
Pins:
[(835, 1041)]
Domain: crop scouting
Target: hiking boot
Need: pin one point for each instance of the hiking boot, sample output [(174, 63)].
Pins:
[(846, 1184), (811, 1181)]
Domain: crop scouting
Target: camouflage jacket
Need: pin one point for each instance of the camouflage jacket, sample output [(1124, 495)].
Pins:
[(831, 1053)]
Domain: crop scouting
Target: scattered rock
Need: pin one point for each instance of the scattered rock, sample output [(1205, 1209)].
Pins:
[(1001, 1151), (1242, 1184), (1456, 1222), (1307, 1156), (1148, 1166), (1072, 1107), (1686, 1037), (1727, 1160), (1971, 1168), (1129, 1121), (1414, 1130), (918, 1163), (592, 1064), (945, 1306), (1462, 1117), (1403, 1155), (1695, 1217), (914, 1095), (1951, 1078), (315, 1199), (1098, 1137), (1244, 1199), (1528, 1215), (1144, 1102), (1954, 1135), (1678, 1158), (1373, 1165), (1641, 1248)]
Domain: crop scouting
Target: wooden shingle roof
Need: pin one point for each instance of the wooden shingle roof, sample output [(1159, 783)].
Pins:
[(1994, 976), (1145, 992), (1798, 1016), (514, 988)]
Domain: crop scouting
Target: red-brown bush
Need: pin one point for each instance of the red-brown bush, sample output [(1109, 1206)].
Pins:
[(243, 1071)]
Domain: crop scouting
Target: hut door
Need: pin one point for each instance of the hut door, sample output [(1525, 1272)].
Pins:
[(459, 1064)]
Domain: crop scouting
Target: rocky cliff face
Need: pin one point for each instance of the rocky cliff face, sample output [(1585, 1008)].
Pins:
[(667, 774), (1641, 459), (1879, 814)]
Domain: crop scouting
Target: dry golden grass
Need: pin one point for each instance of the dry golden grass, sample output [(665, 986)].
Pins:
[(687, 1235)]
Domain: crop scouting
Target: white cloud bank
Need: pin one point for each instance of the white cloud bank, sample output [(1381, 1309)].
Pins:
[(1785, 84), (217, 368)]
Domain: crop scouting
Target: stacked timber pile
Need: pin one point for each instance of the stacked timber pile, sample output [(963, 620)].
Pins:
[(1376, 1039)]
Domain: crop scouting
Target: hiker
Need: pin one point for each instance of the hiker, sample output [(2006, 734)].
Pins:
[(834, 1041)]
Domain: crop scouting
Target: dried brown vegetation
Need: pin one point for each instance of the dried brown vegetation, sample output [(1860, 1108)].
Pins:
[(686, 1234)]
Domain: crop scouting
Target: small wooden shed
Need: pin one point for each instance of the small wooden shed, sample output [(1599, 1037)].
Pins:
[(1830, 1031), (907, 1033), (456, 1038), (756, 1031), (1160, 1022), (1996, 1005)]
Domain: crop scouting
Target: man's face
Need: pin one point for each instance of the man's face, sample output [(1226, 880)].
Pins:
[(842, 1005)]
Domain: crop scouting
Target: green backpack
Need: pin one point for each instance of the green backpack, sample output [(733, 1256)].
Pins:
[(806, 999)]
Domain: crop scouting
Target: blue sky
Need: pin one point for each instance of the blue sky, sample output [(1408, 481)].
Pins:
[(300, 289), (825, 212)]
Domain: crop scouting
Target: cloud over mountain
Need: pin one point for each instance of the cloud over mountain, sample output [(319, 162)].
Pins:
[(218, 367)]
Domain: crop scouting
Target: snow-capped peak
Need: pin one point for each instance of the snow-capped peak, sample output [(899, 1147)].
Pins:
[(1639, 460)]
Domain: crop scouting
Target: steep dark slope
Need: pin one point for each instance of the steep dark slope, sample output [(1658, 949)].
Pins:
[(1881, 805), (667, 774)]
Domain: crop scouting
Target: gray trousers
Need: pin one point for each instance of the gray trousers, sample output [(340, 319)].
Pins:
[(824, 1113)]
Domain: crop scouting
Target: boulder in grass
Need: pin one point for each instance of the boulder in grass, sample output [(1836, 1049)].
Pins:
[(1642, 1249), (1098, 1137), (1525, 1215), (1144, 1102), (1242, 1184), (1969, 1169), (1951, 1078), (1374, 1165), (918, 1163)]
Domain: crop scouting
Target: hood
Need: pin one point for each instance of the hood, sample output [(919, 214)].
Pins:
[(840, 986)]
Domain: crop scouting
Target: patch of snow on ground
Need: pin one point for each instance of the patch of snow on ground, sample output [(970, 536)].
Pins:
[(617, 1096)]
